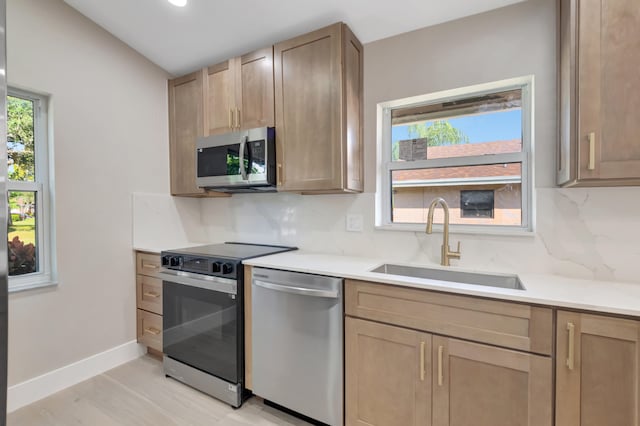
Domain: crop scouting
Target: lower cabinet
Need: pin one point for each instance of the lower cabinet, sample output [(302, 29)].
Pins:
[(149, 330), (149, 301), (597, 370), (387, 375), (396, 376), (481, 385)]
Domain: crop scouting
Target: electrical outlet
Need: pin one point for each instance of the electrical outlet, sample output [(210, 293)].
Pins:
[(354, 222)]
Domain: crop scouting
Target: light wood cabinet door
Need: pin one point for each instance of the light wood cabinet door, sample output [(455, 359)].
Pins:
[(149, 329), (147, 264), (185, 126), (597, 370), (387, 375), (599, 86), (149, 294), (254, 94), (239, 93), (318, 98), (479, 385), (220, 99)]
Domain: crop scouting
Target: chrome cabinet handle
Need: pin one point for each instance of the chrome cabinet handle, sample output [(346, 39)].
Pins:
[(279, 173), (151, 294), (237, 118), (149, 265), (592, 151), (571, 328)]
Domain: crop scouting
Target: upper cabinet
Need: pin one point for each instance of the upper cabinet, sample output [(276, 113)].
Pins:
[(309, 88), (318, 98), (186, 117), (185, 126), (599, 86), (239, 93)]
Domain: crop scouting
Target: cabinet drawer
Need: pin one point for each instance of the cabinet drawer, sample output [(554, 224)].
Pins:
[(150, 329), (149, 294), (147, 264), (498, 323)]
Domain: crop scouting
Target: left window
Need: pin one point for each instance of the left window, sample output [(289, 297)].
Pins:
[(28, 191)]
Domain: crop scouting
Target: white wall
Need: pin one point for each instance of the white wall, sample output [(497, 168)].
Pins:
[(586, 233), (109, 108)]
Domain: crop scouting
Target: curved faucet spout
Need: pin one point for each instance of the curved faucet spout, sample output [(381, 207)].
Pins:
[(432, 208), (446, 251)]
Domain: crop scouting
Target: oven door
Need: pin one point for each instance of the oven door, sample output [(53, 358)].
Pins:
[(201, 321)]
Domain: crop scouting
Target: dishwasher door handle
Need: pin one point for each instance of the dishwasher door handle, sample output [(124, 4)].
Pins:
[(331, 294)]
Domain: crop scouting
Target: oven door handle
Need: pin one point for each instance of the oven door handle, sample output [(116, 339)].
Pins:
[(331, 294), (222, 285)]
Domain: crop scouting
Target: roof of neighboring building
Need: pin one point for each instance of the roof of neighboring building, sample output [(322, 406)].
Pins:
[(464, 172)]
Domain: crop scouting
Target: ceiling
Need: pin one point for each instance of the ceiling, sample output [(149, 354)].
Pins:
[(204, 32)]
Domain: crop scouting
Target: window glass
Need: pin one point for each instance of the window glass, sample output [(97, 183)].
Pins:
[(480, 125), (413, 191), (20, 139), (22, 233)]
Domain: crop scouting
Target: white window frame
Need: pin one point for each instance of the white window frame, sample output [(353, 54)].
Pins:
[(43, 186), (385, 165)]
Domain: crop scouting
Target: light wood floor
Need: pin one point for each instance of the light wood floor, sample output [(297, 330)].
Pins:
[(137, 393)]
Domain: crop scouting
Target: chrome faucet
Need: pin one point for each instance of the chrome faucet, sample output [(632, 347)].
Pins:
[(446, 251)]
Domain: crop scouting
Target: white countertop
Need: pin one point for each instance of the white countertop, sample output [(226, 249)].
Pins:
[(551, 290)]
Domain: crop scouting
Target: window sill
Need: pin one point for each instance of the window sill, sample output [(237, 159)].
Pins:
[(18, 284), (460, 230)]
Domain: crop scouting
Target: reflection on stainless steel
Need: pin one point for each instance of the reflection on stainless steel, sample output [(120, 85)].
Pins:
[(3, 215), (475, 278)]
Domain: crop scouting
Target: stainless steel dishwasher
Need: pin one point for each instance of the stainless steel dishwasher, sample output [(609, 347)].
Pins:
[(297, 340)]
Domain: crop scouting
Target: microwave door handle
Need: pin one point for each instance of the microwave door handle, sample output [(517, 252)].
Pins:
[(243, 145)]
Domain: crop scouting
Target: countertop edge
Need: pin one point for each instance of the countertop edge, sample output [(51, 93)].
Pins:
[(531, 295)]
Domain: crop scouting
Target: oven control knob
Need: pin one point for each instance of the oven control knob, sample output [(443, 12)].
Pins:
[(227, 268), (166, 260), (175, 261), (216, 266)]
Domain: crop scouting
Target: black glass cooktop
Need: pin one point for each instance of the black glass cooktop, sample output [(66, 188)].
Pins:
[(233, 250)]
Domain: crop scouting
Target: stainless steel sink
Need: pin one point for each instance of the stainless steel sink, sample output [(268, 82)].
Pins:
[(490, 280)]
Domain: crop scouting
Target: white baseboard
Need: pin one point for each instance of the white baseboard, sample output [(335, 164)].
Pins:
[(32, 390)]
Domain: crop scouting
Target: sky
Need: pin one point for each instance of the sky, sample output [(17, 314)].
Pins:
[(497, 126)]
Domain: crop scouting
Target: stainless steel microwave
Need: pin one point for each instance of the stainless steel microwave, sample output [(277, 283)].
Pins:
[(241, 161)]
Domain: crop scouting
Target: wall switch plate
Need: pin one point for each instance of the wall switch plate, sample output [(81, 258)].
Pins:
[(354, 222)]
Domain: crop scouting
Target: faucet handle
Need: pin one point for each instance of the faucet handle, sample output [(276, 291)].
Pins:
[(455, 254)]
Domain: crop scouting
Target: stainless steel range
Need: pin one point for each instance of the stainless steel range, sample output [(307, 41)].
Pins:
[(203, 316)]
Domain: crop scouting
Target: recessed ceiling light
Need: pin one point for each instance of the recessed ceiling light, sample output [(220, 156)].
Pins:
[(179, 3)]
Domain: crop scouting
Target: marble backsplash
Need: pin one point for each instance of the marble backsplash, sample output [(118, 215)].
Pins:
[(583, 233)]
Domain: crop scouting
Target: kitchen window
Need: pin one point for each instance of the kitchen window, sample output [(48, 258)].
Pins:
[(471, 146), (29, 225)]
